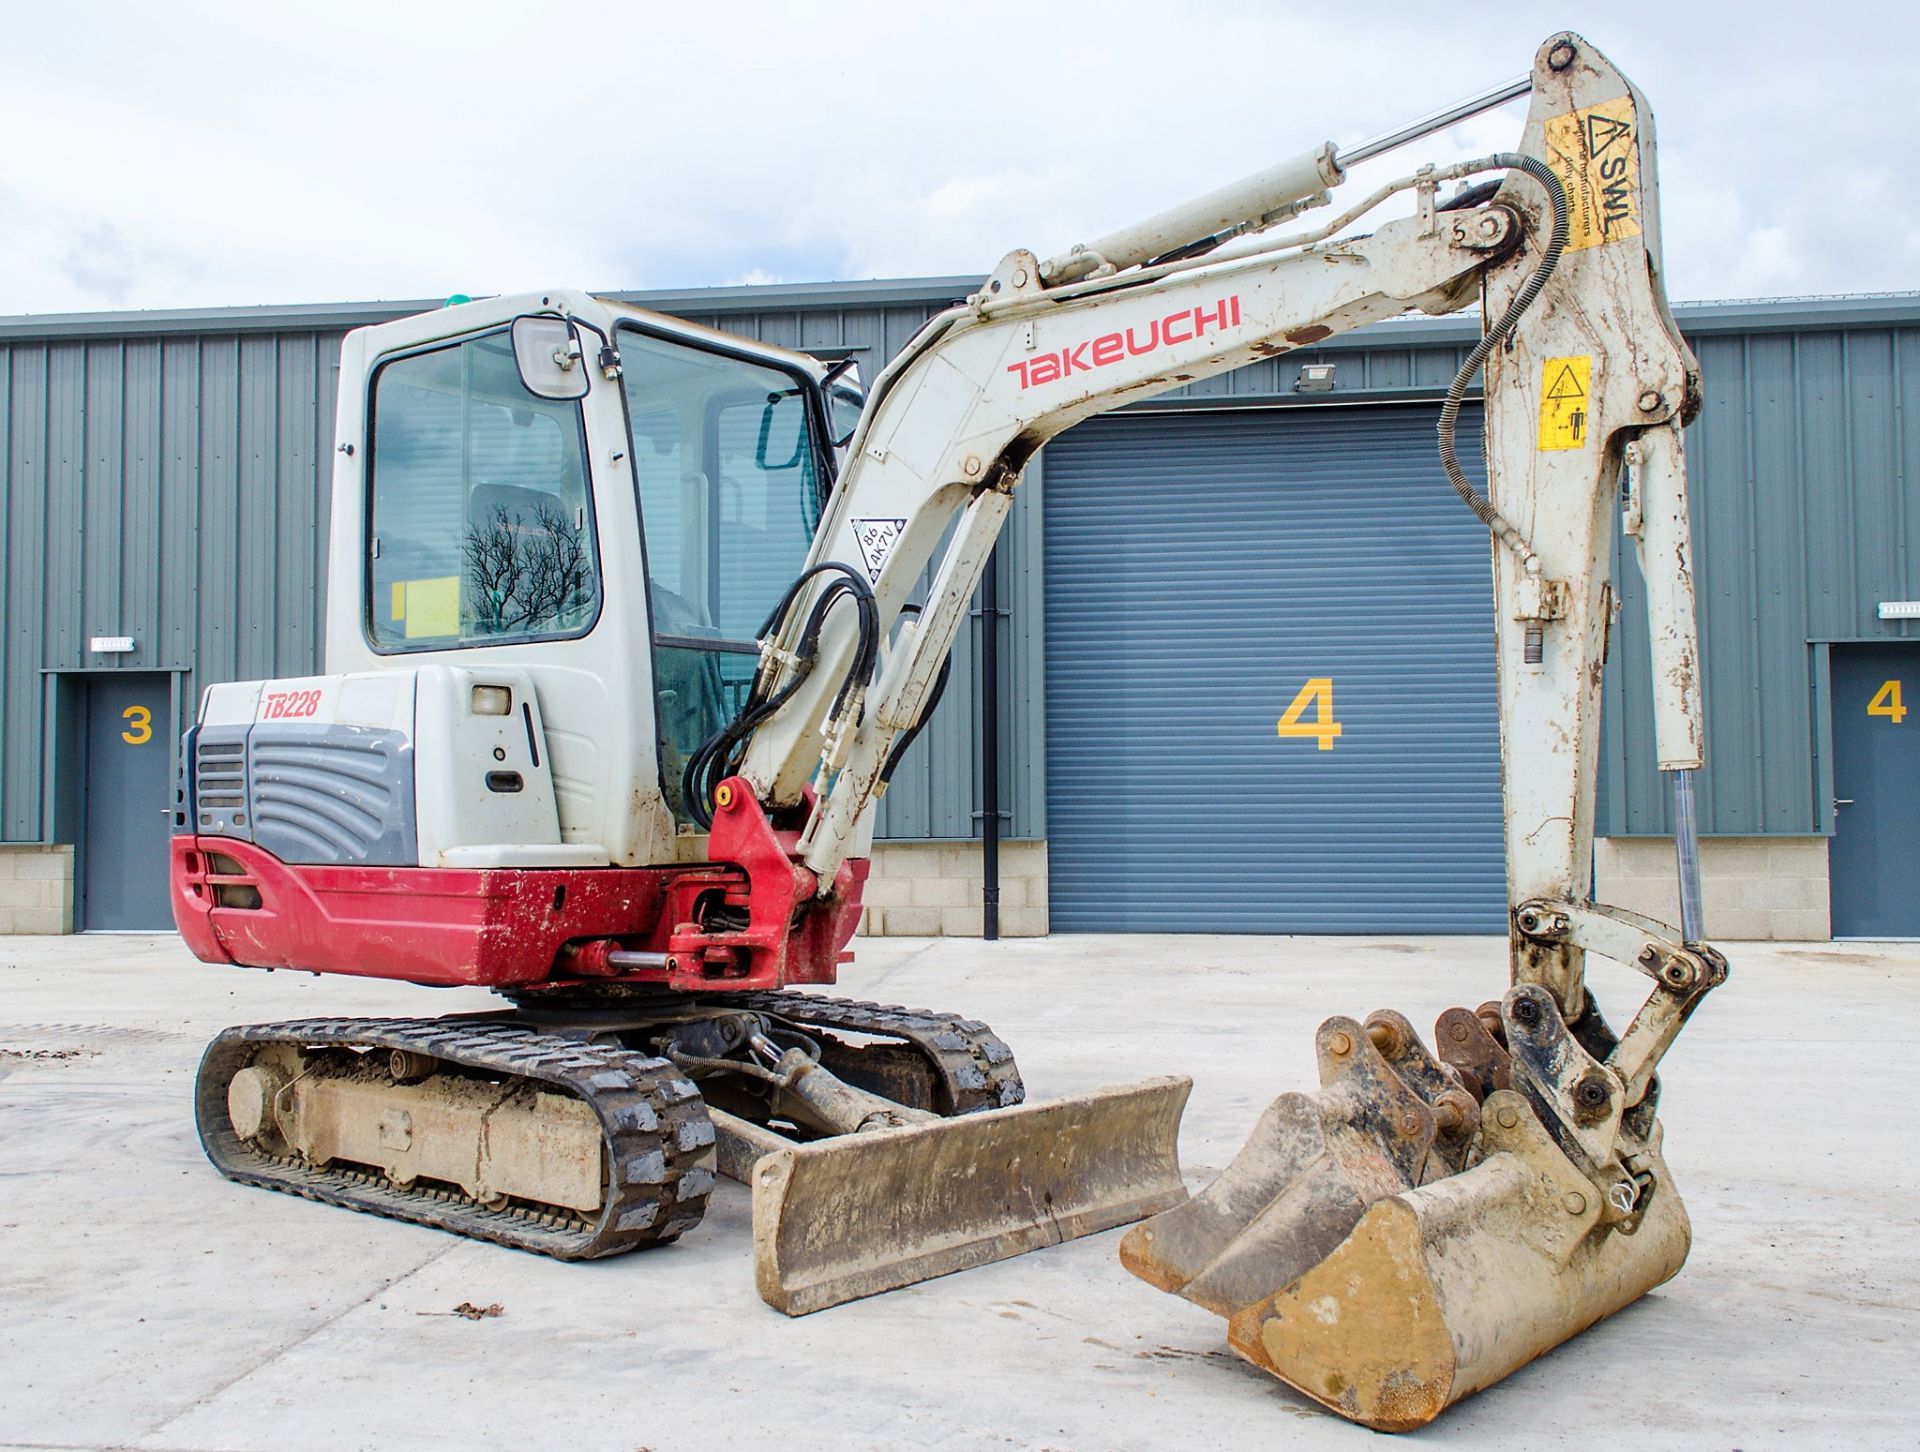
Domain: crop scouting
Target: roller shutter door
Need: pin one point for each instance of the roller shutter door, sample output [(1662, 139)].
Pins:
[(1201, 569)]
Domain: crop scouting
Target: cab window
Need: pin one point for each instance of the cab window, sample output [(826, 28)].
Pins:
[(480, 525), (728, 467)]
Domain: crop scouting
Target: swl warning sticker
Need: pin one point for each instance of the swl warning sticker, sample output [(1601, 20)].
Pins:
[(1566, 387), (1596, 155), (876, 538)]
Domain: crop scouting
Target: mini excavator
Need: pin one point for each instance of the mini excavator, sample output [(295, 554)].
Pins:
[(622, 647)]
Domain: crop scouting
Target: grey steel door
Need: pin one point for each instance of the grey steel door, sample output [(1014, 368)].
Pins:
[(1270, 678), (124, 852), (1873, 864)]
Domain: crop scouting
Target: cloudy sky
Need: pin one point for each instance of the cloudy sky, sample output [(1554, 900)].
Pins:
[(195, 154)]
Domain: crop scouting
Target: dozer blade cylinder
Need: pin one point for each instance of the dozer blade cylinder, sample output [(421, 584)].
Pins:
[(1442, 1290), (863, 1213)]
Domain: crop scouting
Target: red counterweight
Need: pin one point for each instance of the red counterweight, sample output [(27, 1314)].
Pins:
[(748, 919)]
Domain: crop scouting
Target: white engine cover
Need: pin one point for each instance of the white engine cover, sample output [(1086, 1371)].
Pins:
[(480, 784)]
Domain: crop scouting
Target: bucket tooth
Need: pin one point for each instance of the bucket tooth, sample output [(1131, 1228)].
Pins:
[(1439, 1086), (1446, 1288), (858, 1214), (1475, 1054), (1312, 1166)]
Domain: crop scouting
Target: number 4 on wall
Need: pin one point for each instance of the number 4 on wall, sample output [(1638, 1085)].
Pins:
[(1886, 702), (1317, 693)]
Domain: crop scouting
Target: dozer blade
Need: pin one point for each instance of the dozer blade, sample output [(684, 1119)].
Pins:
[(858, 1214), (1388, 1246)]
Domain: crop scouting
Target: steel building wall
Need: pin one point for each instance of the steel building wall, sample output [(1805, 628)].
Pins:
[(162, 487), (1803, 464), (164, 477)]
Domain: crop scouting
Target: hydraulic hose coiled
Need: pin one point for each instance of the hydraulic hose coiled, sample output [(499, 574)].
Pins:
[(718, 757), (1498, 334)]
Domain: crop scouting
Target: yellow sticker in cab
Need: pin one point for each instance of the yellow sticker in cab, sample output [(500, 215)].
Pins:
[(1566, 395), (1596, 154)]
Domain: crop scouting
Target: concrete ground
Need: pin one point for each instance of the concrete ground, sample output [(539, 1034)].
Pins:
[(145, 1302)]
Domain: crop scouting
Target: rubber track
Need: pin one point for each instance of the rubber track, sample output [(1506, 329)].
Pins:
[(974, 1061), (659, 1138)]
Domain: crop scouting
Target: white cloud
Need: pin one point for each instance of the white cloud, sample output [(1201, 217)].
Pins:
[(199, 154)]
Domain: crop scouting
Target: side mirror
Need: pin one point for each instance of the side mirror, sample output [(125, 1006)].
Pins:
[(547, 352), (783, 417)]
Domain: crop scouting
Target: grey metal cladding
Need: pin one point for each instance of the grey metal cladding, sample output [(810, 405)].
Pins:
[(168, 485), (165, 476), (332, 794), (1802, 468)]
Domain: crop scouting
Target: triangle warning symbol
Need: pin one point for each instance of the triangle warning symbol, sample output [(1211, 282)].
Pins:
[(1566, 385), (1603, 131)]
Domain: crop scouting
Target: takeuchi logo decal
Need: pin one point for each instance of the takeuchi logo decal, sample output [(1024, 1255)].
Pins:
[(1109, 348)]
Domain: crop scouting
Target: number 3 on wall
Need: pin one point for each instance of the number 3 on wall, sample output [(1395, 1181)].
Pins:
[(1886, 702), (1317, 693), (141, 731)]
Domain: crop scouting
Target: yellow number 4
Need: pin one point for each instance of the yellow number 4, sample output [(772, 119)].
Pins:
[(1886, 702), (1317, 693)]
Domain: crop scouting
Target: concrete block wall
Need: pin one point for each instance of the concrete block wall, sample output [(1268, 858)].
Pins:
[(36, 889), (934, 889), (1751, 887)]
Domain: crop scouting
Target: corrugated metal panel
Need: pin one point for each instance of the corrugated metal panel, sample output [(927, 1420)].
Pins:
[(169, 488), (1200, 571), (1802, 464), (165, 477)]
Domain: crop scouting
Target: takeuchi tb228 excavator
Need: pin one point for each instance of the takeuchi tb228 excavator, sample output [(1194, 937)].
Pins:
[(622, 648)]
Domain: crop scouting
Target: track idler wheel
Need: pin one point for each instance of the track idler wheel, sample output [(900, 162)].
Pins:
[(1416, 1230)]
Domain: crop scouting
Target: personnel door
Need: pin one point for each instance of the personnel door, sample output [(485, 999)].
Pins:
[(123, 857), (1874, 872)]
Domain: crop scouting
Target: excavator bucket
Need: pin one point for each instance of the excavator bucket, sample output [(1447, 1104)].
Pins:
[(857, 1214), (1416, 1230)]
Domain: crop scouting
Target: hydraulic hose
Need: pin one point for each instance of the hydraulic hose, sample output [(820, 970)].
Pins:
[(908, 736), (718, 757), (1495, 336)]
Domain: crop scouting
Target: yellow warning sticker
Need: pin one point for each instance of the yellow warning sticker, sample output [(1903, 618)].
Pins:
[(1596, 155), (1566, 388)]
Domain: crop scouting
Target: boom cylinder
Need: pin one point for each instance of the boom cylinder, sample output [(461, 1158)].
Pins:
[(1278, 191)]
